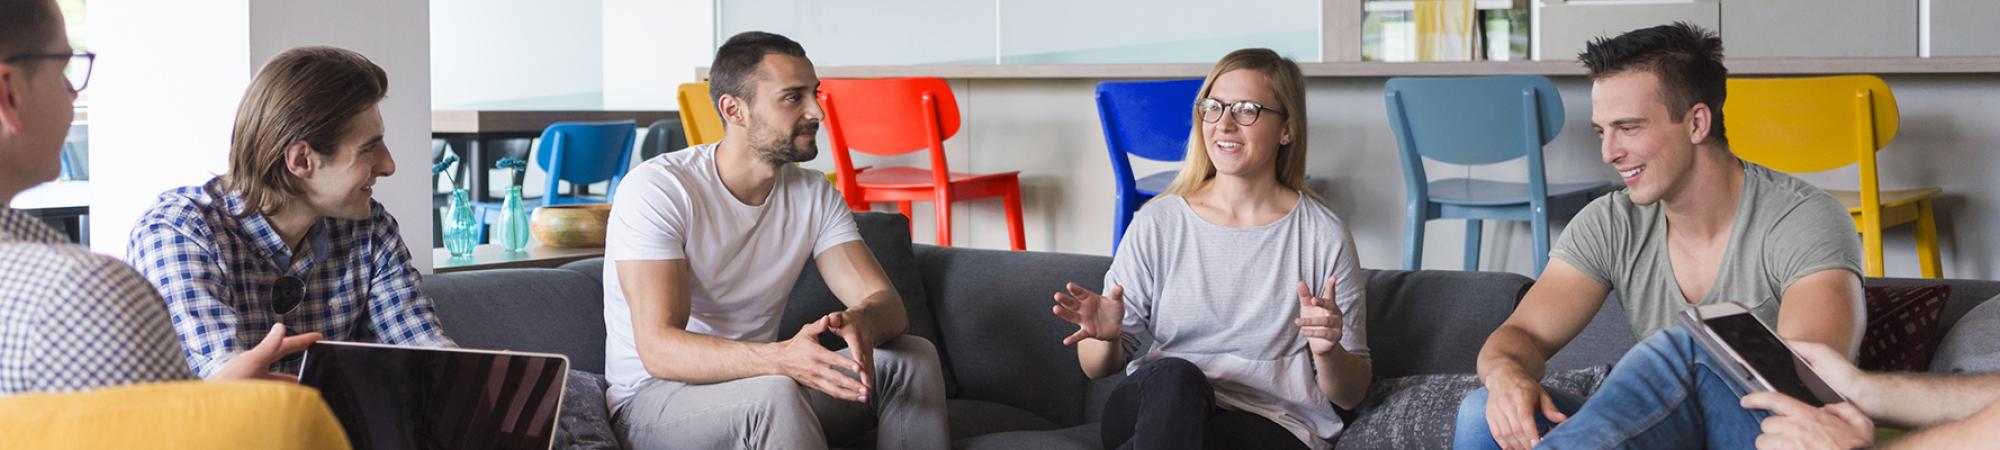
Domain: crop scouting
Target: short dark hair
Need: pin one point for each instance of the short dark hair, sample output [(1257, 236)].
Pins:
[(303, 94), (738, 59), (26, 26), (1686, 58)]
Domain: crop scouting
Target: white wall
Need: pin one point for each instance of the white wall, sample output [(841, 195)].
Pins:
[(651, 47), (1048, 130), (517, 54), (154, 129)]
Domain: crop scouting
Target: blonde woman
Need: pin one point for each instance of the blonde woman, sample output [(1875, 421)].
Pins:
[(1246, 286)]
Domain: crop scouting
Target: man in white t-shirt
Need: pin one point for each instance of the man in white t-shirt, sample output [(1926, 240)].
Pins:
[(705, 244)]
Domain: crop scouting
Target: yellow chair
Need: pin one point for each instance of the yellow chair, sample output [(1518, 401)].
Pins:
[(177, 415), (1823, 123), (703, 125), (698, 117)]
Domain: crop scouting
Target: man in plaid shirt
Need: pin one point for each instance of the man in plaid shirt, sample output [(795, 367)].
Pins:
[(71, 319), (290, 234)]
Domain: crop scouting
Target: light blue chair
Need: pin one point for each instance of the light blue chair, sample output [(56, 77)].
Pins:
[(581, 153), (1474, 121), (1149, 119)]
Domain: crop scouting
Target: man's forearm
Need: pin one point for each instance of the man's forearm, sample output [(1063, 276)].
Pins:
[(883, 315), (1980, 430), (1918, 400), (679, 355), (1509, 349)]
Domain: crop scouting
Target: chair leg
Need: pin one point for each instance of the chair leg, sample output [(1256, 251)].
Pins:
[(1927, 241), (905, 208), (1472, 238), (943, 206), (1541, 237), (1014, 228), (1871, 251), (1121, 217), (1413, 238)]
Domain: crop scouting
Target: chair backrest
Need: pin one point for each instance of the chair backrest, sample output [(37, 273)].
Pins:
[(1148, 119), (663, 136), (1473, 120), (888, 116), (585, 153), (1809, 124), (699, 119)]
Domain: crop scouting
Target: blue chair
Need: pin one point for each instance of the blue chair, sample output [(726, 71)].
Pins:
[(1474, 121), (581, 153), (1150, 119)]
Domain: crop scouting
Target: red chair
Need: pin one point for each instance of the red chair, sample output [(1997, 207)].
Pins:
[(903, 115)]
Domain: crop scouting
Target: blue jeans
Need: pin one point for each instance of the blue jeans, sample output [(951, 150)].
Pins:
[(1665, 393)]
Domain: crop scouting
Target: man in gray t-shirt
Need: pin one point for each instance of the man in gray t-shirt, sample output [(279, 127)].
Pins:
[(1694, 226)]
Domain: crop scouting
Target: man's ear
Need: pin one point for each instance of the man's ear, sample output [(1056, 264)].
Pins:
[(1700, 121), (10, 101), (299, 159), (733, 111)]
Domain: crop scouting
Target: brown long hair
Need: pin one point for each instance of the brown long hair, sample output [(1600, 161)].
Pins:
[(1288, 84), (304, 94)]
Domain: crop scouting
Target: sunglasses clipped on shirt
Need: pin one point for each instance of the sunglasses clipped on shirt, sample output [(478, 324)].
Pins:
[(286, 294)]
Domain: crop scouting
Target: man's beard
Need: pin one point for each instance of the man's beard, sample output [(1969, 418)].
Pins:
[(784, 148)]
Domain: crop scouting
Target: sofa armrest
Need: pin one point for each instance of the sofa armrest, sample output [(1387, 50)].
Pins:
[(186, 414)]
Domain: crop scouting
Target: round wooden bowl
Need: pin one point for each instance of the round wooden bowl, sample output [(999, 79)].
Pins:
[(570, 226)]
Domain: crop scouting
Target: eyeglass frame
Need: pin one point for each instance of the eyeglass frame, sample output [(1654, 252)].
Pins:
[(89, 64), (1233, 109)]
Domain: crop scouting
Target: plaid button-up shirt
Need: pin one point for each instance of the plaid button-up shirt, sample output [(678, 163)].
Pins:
[(73, 320), (217, 272)]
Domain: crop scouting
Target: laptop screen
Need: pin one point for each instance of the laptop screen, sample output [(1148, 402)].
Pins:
[(409, 398)]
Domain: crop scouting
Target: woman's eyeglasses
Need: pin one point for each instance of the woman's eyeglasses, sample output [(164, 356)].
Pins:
[(1245, 112)]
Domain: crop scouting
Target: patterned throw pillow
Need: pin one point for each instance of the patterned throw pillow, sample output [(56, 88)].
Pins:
[(1902, 322), (1421, 411)]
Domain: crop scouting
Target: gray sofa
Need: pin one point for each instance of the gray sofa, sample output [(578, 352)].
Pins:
[(1014, 385)]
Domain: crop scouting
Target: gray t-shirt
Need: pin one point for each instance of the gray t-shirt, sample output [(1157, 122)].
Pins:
[(1785, 229), (1224, 299)]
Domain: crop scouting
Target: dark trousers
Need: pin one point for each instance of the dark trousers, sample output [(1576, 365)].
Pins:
[(1168, 404)]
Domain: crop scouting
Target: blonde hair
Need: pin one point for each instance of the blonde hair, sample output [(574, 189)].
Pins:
[(1288, 85)]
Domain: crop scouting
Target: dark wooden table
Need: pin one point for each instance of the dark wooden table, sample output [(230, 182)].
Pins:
[(491, 256)]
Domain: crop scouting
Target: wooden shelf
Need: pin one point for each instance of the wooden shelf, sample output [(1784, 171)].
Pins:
[(1758, 66)]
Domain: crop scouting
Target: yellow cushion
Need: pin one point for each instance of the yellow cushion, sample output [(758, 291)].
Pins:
[(178, 415)]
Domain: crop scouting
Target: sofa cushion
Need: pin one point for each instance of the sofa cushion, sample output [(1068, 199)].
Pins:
[(1901, 323), (1428, 322), (533, 310), (1420, 411), (1974, 345), (1606, 339), (970, 418), (586, 419), (993, 310), (1080, 437), (888, 237)]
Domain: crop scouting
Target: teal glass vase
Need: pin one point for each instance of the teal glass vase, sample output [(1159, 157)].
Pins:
[(512, 231), (461, 225)]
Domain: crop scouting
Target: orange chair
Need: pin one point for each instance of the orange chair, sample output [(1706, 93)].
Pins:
[(906, 115)]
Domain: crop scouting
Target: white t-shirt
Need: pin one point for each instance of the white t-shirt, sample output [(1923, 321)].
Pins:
[(742, 259)]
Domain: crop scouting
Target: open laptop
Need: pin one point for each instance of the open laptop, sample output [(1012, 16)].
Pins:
[(395, 397)]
